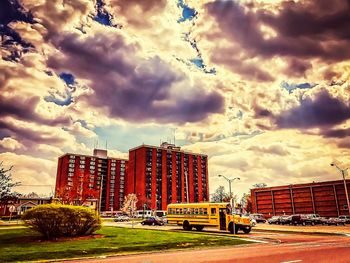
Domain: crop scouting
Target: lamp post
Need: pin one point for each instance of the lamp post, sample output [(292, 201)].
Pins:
[(229, 182), (231, 203), (100, 198), (343, 171)]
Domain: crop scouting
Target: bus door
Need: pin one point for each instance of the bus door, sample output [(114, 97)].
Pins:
[(222, 218)]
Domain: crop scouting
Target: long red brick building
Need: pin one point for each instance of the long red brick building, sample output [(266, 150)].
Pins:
[(324, 198), (157, 175)]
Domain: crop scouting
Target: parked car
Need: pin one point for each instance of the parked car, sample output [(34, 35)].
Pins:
[(164, 219), (335, 221), (274, 220), (152, 221), (295, 220), (346, 218), (121, 219), (323, 221), (259, 218), (285, 219), (316, 218), (307, 220)]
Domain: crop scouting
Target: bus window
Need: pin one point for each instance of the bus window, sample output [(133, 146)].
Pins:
[(185, 211), (213, 211), (205, 211), (201, 211), (191, 211), (196, 211), (180, 211), (177, 211)]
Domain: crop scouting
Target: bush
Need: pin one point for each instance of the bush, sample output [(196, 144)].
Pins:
[(56, 220)]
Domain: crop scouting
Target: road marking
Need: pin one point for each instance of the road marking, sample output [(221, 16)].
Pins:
[(292, 261)]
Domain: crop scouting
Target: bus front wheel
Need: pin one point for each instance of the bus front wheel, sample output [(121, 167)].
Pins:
[(246, 230), (199, 228), (230, 228), (187, 226)]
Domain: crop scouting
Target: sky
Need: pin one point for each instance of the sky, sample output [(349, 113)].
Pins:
[(261, 87)]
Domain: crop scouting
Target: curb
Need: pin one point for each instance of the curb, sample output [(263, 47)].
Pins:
[(303, 232)]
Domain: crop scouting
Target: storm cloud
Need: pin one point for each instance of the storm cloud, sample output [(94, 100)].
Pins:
[(323, 111), (305, 29), (131, 87)]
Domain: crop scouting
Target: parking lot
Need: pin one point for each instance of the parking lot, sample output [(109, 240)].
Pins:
[(260, 227)]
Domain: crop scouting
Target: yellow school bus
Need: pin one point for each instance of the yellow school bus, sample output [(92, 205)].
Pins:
[(200, 215)]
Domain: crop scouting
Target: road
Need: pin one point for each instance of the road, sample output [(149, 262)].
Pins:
[(278, 247)]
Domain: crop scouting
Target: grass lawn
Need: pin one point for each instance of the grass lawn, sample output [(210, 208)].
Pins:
[(25, 245)]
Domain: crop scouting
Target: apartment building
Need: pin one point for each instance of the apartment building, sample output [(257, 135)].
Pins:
[(97, 178)]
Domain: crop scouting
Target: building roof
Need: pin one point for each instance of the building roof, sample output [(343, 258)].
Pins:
[(294, 186), (174, 149), (92, 156)]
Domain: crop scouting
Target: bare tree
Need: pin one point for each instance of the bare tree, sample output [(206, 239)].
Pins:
[(129, 205), (6, 184), (220, 195)]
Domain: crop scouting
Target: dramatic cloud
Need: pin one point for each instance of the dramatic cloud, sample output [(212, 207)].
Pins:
[(262, 87), (306, 29), (337, 133), (24, 109), (135, 11), (132, 87), (314, 29), (324, 110), (12, 43)]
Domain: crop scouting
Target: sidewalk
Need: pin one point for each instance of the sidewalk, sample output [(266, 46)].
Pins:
[(317, 229)]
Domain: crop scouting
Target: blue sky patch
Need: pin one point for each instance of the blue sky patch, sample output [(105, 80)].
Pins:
[(60, 99), (67, 78), (133, 136), (187, 12), (102, 16), (292, 86), (198, 62)]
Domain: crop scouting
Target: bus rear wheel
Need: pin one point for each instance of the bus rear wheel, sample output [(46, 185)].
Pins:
[(186, 225), (199, 228)]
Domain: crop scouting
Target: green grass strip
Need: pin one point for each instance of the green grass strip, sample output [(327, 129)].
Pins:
[(26, 245)]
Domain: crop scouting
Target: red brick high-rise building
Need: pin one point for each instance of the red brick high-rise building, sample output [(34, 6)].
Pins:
[(79, 179), (163, 175), (157, 175)]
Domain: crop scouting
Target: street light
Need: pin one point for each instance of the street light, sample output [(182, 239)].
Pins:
[(229, 182), (343, 171)]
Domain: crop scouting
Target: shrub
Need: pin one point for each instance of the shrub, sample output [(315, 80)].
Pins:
[(56, 220)]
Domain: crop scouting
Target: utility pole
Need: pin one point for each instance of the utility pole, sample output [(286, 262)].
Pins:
[(343, 172)]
